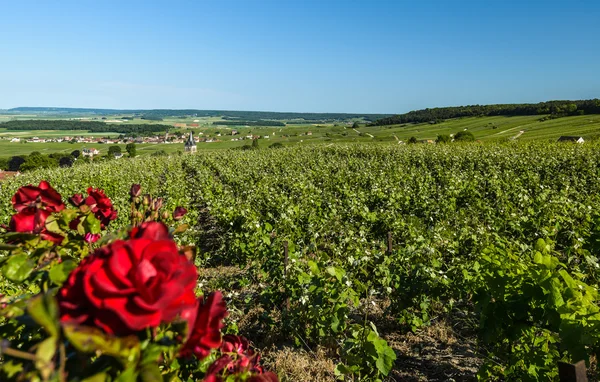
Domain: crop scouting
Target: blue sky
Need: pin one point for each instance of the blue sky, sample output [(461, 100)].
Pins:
[(284, 55)]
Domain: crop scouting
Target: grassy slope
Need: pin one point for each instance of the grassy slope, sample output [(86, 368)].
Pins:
[(484, 128)]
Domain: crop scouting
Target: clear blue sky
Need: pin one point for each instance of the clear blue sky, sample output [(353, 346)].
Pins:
[(283, 55)]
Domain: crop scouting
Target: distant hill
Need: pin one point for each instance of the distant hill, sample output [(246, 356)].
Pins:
[(552, 108), (164, 113)]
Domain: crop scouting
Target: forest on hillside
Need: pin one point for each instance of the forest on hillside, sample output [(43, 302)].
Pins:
[(552, 108), (166, 113), (249, 123), (92, 126)]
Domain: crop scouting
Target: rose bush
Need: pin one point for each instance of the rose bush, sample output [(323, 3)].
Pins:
[(129, 309)]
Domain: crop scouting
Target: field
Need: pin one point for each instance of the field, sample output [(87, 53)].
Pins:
[(493, 248), (499, 128)]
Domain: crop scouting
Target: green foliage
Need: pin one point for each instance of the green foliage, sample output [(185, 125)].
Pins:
[(15, 162), (464, 136), (412, 140), (159, 153), (131, 150), (366, 355), (4, 164), (38, 161), (534, 311), (114, 150), (443, 138)]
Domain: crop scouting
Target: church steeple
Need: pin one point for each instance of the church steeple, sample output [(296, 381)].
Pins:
[(190, 145)]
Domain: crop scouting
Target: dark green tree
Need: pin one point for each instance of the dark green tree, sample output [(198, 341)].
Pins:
[(131, 149), (14, 163), (412, 140), (114, 151), (36, 160), (75, 153), (464, 136), (255, 144), (443, 138), (66, 161)]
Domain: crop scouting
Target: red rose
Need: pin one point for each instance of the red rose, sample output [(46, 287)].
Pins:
[(33, 220), (150, 231), (42, 196), (205, 326), (77, 200), (129, 286), (101, 206)]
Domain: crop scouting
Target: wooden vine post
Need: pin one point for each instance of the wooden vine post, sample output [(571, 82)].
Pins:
[(390, 244), (285, 266), (572, 372)]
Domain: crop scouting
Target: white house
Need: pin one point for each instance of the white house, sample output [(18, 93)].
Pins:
[(89, 152)]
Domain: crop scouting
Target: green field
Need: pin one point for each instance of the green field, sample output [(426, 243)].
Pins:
[(522, 128)]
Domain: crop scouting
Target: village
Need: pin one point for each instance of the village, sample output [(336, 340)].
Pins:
[(177, 138)]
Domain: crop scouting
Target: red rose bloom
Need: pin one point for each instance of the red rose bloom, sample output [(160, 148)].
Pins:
[(101, 206), (33, 220), (129, 286), (42, 196), (205, 326), (34, 205), (150, 231), (77, 200)]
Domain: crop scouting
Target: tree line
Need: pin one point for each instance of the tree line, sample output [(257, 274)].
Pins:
[(553, 109), (37, 160), (165, 113), (249, 123), (92, 126)]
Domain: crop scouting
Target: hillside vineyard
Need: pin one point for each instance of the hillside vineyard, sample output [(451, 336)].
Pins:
[(505, 234)]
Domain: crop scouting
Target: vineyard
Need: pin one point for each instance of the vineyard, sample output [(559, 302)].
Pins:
[(337, 251)]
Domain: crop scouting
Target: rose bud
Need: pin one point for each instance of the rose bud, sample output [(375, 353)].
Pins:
[(165, 215), (77, 200), (146, 200), (157, 204), (179, 213), (136, 190)]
